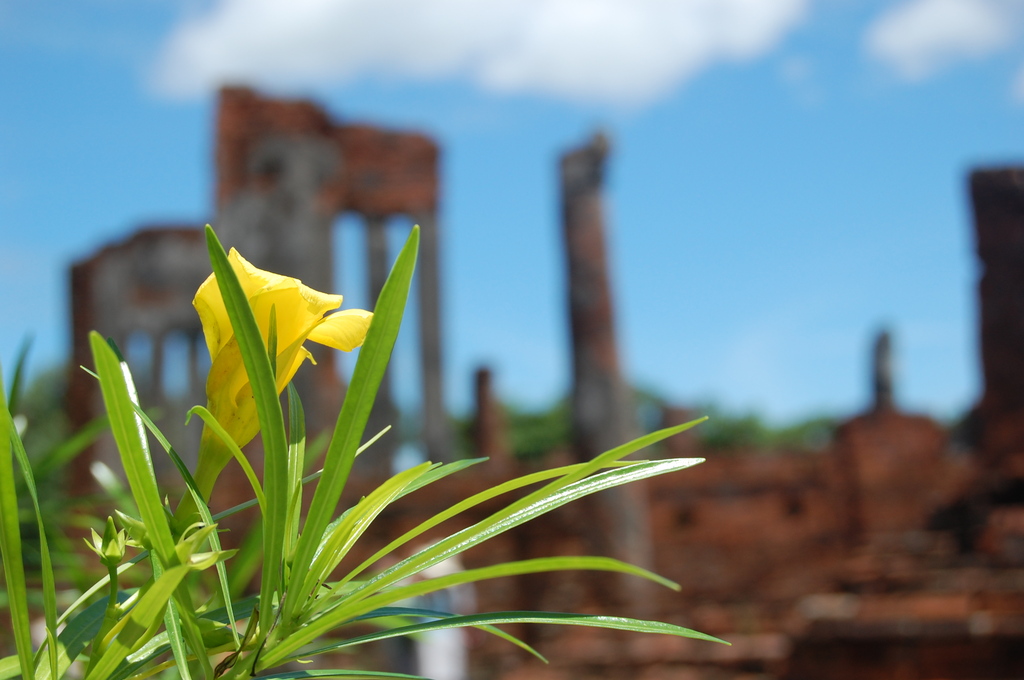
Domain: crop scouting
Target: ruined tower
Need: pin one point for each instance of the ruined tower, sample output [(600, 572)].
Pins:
[(602, 415), (285, 170), (998, 199)]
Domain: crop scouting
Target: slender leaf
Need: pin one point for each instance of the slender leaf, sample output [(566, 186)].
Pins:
[(501, 618), (46, 564), (201, 506), (268, 409), (10, 667), (440, 471), (174, 637), (564, 476), (462, 506), (73, 639), (98, 586), (339, 673), (211, 422), (10, 544), (355, 411), (130, 434), (235, 509), (19, 374), (338, 541), (296, 463), (136, 628), (405, 612), (532, 566), (500, 522)]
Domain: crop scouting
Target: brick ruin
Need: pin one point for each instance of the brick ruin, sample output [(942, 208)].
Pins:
[(285, 171), (893, 552)]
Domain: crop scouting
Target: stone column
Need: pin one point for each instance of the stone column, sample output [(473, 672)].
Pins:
[(602, 414), (882, 372), (490, 436), (998, 199), (378, 457), (436, 434)]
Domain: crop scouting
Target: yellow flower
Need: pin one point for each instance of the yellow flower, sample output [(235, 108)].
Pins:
[(300, 313)]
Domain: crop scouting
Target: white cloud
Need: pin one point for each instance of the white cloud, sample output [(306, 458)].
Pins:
[(919, 37), (619, 51)]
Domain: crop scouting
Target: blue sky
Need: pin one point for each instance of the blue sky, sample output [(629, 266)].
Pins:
[(787, 175)]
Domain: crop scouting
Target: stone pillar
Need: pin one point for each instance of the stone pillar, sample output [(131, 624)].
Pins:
[(378, 457), (998, 199), (602, 414), (490, 436), (436, 433), (882, 372)]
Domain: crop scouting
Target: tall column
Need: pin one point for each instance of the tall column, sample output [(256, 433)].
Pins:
[(379, 456), (601, 411), (998, 198), (602, 415), (882, 372), (436, 435), (490, 436)]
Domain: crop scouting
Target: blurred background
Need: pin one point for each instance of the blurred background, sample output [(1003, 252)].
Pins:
[(780, 181)]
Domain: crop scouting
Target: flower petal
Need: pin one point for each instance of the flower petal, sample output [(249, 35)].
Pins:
[(213, 315), (344, 330), (253, 279), (288, 363)]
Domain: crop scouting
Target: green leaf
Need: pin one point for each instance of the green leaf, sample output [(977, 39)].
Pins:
[(457, 508), (10, 544), (19, 373), (173, 622), (296, 463), (532, 566), (406, 612), (501, 618), (337, 542), (46, 566), (211, 422), (268, 409), (339, 673), (139, 626), (201, 506), (99, 585), (348, 431), (129, 432), (10, 667), (564, 476), (440, 471), (73, 639), (516, 514), (235, 509)]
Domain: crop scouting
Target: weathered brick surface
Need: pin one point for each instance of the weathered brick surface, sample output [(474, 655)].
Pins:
[(383, 172)]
